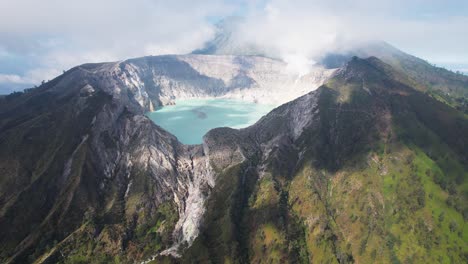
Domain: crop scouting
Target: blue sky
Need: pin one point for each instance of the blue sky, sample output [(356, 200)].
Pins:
[(39, 39)]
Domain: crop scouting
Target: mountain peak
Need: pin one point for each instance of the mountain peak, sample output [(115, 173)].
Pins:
[(371, 156), (227, 40)]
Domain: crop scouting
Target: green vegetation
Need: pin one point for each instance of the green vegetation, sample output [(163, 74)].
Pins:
[(378, 175), (381, 180)]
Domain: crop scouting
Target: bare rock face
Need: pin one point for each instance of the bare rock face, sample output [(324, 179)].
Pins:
[(84, 171), (83, 166), (105, 167), (162, 79)]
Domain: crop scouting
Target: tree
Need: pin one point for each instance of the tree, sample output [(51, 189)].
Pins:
[(441, 216), (453, 226)]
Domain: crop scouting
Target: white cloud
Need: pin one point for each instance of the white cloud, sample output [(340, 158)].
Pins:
[(54, 35), (32, 77), (12, 78), (299, 31)]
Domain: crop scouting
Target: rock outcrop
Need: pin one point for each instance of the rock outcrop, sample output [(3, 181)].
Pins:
[(104, 165), (86, 173)]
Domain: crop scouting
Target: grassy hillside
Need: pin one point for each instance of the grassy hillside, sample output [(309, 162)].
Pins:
[(382, 179), (369, 168)]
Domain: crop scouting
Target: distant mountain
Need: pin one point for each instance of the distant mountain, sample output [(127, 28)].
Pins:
[(370, 167), (227, 42)]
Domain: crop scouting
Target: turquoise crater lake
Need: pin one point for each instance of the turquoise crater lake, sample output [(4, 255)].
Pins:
[(190, 119)]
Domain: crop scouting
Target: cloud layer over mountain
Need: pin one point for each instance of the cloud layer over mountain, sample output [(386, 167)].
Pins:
[(39, 39)]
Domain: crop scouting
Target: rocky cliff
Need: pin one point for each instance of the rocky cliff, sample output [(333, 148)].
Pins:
[(159, 80), (358, 170), (80, 158)]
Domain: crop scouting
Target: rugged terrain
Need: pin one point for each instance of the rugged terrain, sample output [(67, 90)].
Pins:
[(158, 80), (358, 171), (370, 167), (441, 83), (80, 158)]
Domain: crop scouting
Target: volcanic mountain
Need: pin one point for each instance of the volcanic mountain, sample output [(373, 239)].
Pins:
[(361, 163)]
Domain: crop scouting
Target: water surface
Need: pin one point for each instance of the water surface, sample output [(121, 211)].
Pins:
[(190, 119)]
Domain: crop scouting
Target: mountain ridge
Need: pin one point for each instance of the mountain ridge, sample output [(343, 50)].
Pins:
[(334, 145), (119, 186)]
